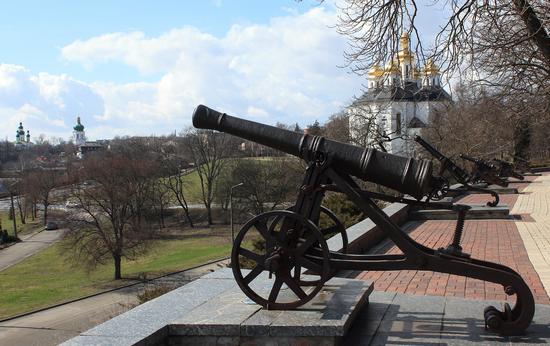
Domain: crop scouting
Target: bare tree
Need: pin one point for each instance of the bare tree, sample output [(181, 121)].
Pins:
[(42, 181), (473, 125), (374, 28), (173, 169), (267, 184), (209, 151), (105, 227), (337, 127)]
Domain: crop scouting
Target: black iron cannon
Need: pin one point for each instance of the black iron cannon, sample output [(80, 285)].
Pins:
[(290, 246), (460, 175), (484, 172), (506, 169)]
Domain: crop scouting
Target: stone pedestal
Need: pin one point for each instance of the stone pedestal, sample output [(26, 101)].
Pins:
[(213, 311), (478, 211)]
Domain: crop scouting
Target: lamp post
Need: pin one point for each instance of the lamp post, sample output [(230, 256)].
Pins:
[(231, 211)]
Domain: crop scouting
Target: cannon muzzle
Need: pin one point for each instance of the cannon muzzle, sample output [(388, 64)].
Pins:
[(406, 175)]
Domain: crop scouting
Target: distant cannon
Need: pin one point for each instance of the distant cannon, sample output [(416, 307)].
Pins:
[(459, 174), (485, 172), (290, 245), (507, 169)]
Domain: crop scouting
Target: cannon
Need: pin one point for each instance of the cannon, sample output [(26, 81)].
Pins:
[(460, 175), (506, 169), (484, 172), (290, 246)]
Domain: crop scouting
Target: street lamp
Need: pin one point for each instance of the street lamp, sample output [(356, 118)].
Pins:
[(231, 211)]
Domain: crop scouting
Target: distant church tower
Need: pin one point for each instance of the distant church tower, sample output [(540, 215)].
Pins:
[(78, 134), (22, 141), (20, 135), (401, 99)]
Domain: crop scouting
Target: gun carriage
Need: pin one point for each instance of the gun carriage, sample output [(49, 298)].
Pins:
[(293, 241), (461, 176), (506, 169), (484, 172)]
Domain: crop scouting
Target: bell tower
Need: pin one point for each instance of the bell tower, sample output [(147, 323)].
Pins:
[(79, 136)]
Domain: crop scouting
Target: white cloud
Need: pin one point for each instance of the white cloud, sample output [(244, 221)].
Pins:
[(285, 70), (43, 101)]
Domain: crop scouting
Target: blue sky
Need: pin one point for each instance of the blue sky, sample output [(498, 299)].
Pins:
[(140, 67)]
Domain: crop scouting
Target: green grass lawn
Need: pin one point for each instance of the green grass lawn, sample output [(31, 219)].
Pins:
[(45, 278), (28, 227)]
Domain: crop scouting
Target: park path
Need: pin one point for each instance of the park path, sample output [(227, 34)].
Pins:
[(57, 324), (27, 247), (534, 227)]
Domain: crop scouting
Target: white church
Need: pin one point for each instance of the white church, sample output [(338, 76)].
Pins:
[(400, 100)]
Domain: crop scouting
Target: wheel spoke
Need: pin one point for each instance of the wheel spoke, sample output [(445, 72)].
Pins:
[(293, 285), (302, 247), (309, 265), (251, 255), (297, 272), (275, 290), (262, 228), (253, 274)]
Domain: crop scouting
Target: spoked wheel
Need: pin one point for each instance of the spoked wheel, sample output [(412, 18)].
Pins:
[(275, 246), (335, 226)]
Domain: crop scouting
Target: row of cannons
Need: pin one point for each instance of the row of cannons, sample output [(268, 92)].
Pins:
[(290, 246)]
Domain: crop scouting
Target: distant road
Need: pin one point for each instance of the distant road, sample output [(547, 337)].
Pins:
[(28, 247)]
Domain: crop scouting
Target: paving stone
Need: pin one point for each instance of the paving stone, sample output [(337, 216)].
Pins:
[(406, 307)]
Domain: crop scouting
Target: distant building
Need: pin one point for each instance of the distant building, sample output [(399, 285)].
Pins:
[(401, 99), (22, 141), (79, 137), (84, 147)]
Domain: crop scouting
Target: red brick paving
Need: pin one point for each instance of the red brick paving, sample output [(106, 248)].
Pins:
[(491, 240)]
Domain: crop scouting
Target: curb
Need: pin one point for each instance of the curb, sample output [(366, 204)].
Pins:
[(109, 290)]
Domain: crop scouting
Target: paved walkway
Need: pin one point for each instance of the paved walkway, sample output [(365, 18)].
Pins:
[(28, 247), (399, 319), (535, 230), (509, 242)]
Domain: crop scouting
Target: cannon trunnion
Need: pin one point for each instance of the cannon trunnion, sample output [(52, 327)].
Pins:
[(290, 245)]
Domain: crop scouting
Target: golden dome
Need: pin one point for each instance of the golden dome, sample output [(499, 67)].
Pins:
[(376, 71), (404, 53), (404, 40), (431, 69)]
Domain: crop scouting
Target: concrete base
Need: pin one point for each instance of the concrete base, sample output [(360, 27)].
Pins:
[(477, 212), (213, 311)]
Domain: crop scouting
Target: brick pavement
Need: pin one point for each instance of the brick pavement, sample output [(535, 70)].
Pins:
[(535, 232), (497, 241)]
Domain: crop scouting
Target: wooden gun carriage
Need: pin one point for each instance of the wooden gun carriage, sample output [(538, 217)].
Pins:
[(285, 244)]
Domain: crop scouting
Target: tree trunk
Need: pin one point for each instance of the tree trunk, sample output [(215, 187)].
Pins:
[(21, 214), (117, 261), (186, 210), (209, 213), (45, 213)]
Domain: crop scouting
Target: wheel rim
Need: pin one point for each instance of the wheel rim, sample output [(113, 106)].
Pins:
[(287, 237)]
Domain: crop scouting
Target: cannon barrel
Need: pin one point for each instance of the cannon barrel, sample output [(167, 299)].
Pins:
[(407, 175), (458, 172), (480, 162)]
